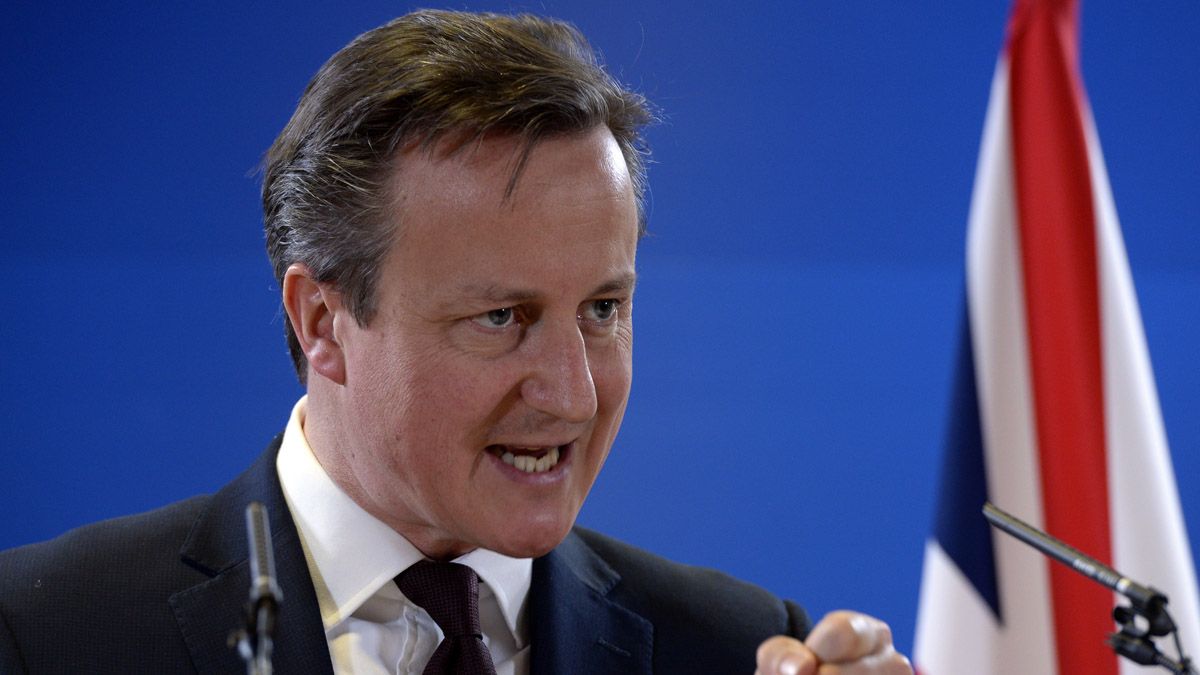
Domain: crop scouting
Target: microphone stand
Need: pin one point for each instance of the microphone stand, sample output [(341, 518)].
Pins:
[(256, 640), (1135, 640)]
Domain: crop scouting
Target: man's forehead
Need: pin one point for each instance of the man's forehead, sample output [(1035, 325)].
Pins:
[(570, 231), (504, 156)]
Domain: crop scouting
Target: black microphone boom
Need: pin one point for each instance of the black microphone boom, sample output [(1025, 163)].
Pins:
[(1087, 566), (1133, 641)]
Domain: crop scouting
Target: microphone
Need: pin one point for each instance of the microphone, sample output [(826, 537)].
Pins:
[(1145, 597), (256, 641), (1133, 641)]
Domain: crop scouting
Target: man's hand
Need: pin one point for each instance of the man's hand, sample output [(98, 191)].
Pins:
[(843, 643)]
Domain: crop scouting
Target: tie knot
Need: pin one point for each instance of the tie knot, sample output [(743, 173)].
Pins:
[(448, 591)]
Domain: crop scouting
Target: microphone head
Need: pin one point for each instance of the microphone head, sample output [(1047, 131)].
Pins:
[(262, 555)]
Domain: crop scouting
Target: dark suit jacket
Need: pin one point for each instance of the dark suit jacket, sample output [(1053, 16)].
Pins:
[(160, 592)]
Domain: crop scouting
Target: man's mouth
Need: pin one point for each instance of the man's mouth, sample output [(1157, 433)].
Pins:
[(529, 459)]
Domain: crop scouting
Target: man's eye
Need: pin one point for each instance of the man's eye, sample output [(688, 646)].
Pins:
[(497, 318), (601, 311)]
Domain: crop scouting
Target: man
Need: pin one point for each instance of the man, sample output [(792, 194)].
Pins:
[(453, 215)]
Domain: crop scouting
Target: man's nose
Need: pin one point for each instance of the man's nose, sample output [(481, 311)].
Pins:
[(560, 380)]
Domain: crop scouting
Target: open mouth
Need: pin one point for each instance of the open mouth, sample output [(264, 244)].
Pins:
[(529, 459)]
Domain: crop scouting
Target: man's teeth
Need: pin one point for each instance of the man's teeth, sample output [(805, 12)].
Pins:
[(531, 464)]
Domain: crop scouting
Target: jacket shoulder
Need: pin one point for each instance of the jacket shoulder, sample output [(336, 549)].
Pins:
[(118, 545), (698, 613), (106, 583)]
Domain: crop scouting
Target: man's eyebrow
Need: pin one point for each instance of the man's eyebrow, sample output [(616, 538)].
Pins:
[(501, 295), (622, 284), (493, 293)]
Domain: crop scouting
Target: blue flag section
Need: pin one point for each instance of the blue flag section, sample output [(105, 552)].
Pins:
[(958, 528)]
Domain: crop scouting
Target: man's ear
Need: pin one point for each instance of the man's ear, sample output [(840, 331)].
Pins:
[(311, 306)]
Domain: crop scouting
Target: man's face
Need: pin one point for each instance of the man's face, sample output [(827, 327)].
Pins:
[(481, 401)]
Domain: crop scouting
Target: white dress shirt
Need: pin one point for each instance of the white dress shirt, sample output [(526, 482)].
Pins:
[(353, 559)]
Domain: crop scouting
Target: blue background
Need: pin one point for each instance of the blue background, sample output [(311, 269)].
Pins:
[(799, 298)]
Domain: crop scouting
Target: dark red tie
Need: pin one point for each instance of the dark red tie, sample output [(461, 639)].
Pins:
[(450, 593)]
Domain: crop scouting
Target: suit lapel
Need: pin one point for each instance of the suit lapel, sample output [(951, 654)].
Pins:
[(575, 627), (209, 611)]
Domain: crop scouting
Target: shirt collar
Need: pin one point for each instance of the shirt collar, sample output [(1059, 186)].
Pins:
[(509, 579), (352, 555)]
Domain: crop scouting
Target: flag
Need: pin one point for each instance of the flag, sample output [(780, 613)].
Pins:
[(1055, 415)]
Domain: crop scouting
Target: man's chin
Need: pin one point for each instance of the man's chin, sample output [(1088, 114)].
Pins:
[(532, 542)]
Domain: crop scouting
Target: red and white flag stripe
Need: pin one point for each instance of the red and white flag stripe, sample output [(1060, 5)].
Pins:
[(1070, 427)]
